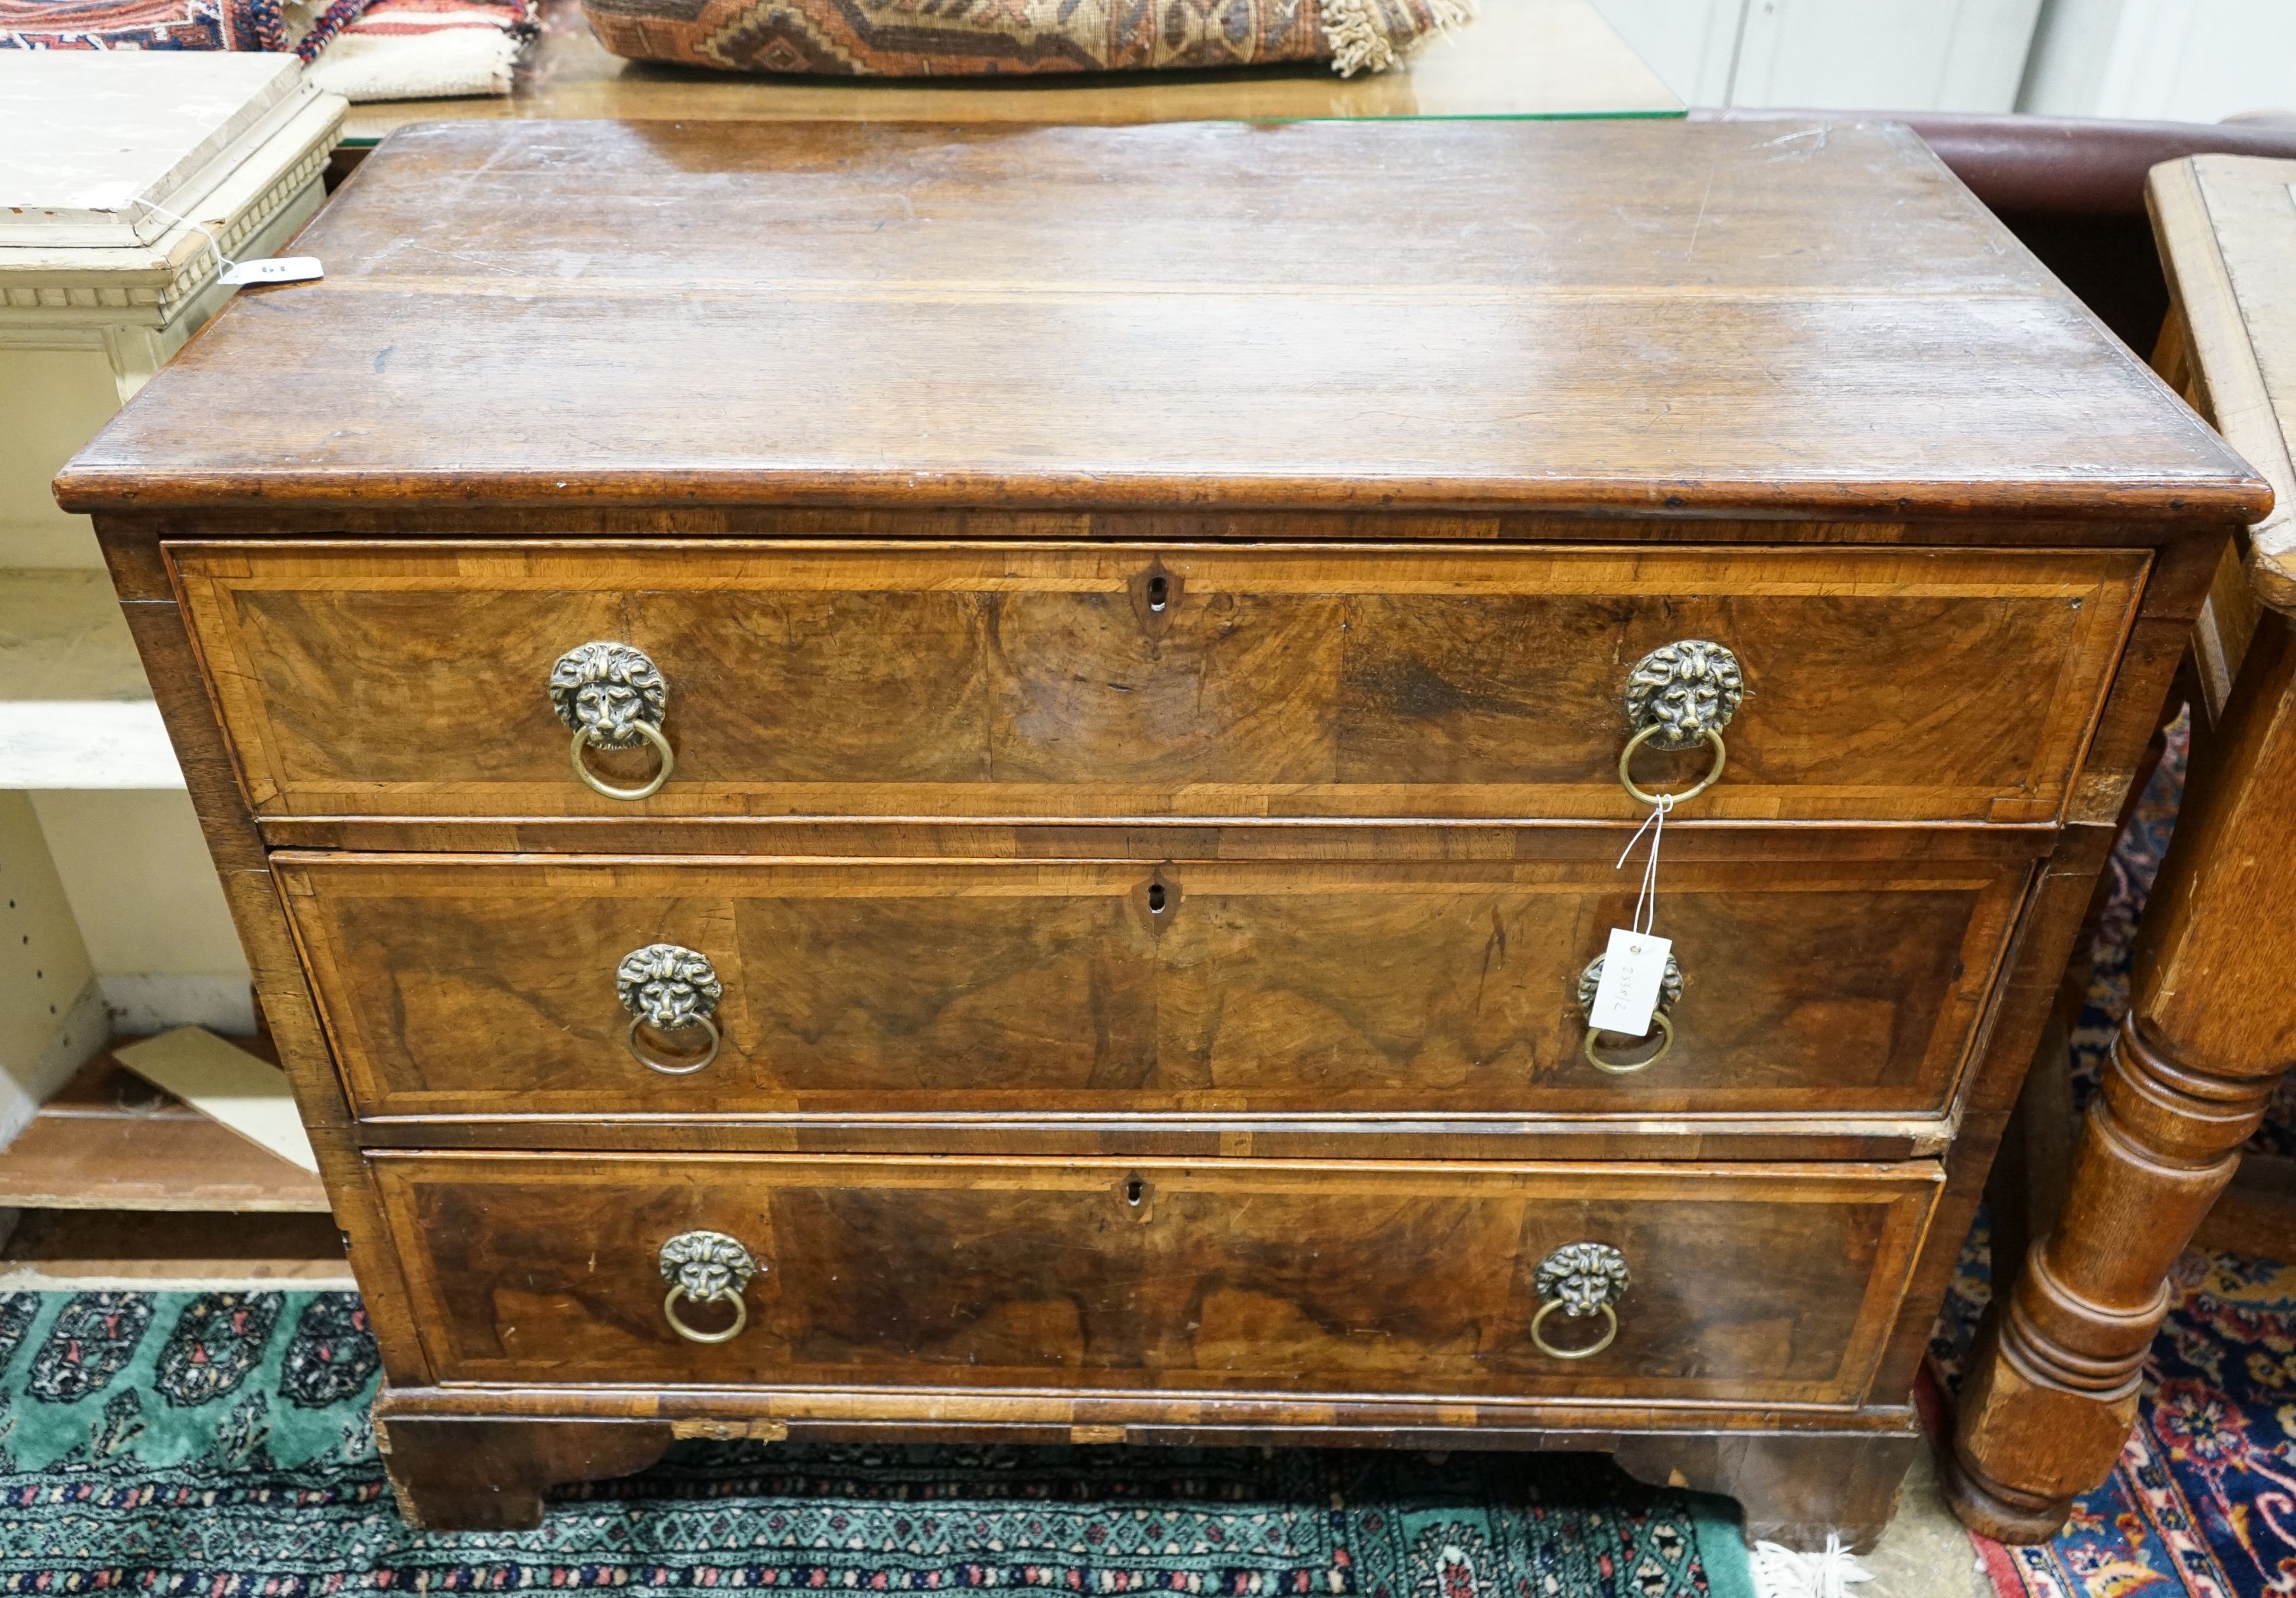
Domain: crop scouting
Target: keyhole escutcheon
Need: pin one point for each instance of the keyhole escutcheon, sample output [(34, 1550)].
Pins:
[(1157, 900), (1139, 1196), (1156, 595)]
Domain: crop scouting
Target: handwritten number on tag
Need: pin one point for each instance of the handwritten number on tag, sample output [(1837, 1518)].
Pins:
[(1626, 995), (281, 269)]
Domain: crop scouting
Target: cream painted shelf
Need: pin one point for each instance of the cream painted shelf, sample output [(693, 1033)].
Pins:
[(124, 178), (75, 710)]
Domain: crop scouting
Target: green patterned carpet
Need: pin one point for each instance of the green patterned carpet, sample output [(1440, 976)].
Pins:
[(216, 1445)]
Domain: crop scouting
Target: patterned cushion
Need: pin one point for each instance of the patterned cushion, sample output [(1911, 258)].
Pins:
[(935, 38)]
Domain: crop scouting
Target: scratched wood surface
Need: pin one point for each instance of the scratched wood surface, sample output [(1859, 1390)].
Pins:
[(1650, 316), (1753, 1283), (1084, 682), (859, 991)]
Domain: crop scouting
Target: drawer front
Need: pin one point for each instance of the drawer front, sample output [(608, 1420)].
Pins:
[(854, 991), (1749, 1283), (1112, 681)]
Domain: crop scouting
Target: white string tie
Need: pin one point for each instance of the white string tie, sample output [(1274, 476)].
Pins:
[(278, 269), (203, 230), (1645, 911)]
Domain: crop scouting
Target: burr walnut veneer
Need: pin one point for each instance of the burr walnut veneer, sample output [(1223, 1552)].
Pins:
[(917, 782)]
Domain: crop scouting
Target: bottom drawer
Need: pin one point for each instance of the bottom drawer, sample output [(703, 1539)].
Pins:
[(1746, 1282)]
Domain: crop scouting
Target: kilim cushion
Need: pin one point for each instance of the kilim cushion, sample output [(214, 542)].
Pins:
[(935, 38)]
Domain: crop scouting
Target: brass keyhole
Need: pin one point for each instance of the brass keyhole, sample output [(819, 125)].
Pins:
[(1155, 596), (1157, 903), (1139, 1199)]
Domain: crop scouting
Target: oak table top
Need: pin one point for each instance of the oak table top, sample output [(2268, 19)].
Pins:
[(2228, 228), (1521, 58), (1531, 316)]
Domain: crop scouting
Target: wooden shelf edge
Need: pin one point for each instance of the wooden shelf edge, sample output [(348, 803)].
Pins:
[(87, 1251)]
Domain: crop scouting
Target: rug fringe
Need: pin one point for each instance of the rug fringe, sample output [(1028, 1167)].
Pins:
[(447, 62), (1362, 41)]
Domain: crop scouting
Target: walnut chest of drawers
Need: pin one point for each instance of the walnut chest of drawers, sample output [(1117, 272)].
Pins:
[(1097, 664)]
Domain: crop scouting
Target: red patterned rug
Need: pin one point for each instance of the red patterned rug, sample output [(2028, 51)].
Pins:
[(362, 49), (170, 25)]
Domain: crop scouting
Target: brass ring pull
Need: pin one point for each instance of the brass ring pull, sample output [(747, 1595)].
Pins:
[(740, 1316), (1580, 1280), (1678, 696), (1628, 1068), (1626, 759), (585, 736), (706, 1268), (708, 1054), (1670, 995), (614, 697), (669, 988), (1590, 1350)]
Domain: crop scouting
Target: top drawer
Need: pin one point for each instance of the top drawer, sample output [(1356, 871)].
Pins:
[(1112, 681)]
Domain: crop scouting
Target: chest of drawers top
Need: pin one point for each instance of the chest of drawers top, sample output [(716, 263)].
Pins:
[(548, 326)]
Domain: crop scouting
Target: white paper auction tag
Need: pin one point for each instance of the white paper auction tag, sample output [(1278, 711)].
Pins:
[(281, 269), (1626, 997)]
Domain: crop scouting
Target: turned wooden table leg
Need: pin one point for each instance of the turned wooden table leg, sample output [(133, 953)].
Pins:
[(2053, 1385)]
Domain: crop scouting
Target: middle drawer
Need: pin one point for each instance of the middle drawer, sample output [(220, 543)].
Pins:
[(492, 987)]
